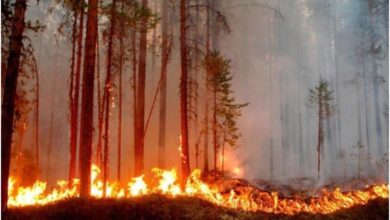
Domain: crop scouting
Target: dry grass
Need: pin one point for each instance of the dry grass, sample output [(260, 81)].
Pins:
[(160, 207)]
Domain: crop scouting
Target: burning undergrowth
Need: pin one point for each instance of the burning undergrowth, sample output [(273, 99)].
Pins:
[(234, 194), (156, 206)]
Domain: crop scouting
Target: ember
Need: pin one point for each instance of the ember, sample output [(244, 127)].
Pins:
[(167, 184)]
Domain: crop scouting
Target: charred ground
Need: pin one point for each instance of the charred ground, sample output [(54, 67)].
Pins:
[(161, 207)]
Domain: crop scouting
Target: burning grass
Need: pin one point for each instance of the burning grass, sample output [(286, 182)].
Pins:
[(156, 206), (236, 195)]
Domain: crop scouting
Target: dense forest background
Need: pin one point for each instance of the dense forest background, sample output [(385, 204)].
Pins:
[(279, 50)]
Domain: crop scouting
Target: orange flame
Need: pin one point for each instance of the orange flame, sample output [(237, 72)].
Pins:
[(167, 184)]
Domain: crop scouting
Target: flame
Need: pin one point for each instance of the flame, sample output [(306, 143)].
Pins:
[(137, 186), (247, 198), (237, 171), (167, 182)]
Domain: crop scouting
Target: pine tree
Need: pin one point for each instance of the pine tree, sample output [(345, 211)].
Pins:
[(8, 105), (225, 109), (184, 146), (79, 8), (140, 107), (165, 55), (86, 125), (321, 97), (108, 95)]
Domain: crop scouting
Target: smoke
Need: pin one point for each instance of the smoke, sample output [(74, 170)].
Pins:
[(275, 60)]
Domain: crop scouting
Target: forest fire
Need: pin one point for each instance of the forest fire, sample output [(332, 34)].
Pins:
[(167, 184), (194, 109)]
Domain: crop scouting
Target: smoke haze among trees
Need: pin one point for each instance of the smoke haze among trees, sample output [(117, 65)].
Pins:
[(278, 51)]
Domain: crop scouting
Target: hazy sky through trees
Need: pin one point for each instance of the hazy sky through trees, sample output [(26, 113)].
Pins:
[(279, 49)]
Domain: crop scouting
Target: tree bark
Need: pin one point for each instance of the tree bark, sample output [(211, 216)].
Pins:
[(206, 104), (375, 81), (320, 134), (101, 106), (120, 96), (223, 153), (86, 122), (37, 120), (196, 84), (50, 146), (215, 132), (163, 88), (134, 83), (71, 93), (75, 110), (8, 105), (185, 160), (140, 113), (108, 88)]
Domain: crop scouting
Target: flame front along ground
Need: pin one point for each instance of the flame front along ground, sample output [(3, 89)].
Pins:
[(167, 184)]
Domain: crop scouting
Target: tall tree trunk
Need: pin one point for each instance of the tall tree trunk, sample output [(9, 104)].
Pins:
[(375, 81), (140, 113), (320, 135), (21, 138), (50, 146), (301, 150), (206, 137), (270, 99), (108, 88), (206, 104), (37, 120), (86, 122), (196, 84), (74, 117), (154, 40), (134, 83), (223, 153), (8, 105), (121, 48), (366, 113), (184, 148), (101, 107), (214, 39), (282, 127), (359, 120), (336, 60), (163, 88), (215, 132), (72, 145)]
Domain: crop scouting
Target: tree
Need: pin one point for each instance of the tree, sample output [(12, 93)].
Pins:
[(382, 164), (165, 54), (361, 154), (75, 88), (8, 105), (321, 97), (140, 106), (184, 148), (121, 61), (377, 50), (206, 103), (225, 110), (195, 84), (36, 116), (86, 125), (101, 107), (341, 155), (51, 124), (73, 132), (108, 88)]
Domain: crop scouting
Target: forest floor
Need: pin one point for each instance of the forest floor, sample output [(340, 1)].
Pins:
[(161, 207)]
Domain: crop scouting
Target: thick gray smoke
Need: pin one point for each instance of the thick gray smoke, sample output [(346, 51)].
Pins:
[(279, 50)]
